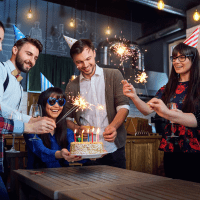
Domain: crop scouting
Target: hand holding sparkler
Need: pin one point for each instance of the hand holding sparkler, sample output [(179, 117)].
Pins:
[(128, 89)]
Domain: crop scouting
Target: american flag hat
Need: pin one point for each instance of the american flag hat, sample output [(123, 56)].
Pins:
[(193, 39)]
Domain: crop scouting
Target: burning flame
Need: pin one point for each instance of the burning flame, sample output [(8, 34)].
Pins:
[(141, 78), (100, 107), (81, 103)]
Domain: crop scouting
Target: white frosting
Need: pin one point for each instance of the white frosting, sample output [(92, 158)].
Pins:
[(85, 148)]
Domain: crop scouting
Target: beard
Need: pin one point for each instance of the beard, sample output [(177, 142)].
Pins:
[(20, 64), (93, 66)]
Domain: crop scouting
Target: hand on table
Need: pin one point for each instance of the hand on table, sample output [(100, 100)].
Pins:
[(110, 133), (67, 156), (40, 125)]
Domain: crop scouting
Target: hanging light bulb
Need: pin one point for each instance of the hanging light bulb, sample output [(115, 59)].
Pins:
[(30, 14), (196, 16), (160, 4), (108, 31), (72, 23)]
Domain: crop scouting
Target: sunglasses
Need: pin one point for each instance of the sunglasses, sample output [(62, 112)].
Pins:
[(52, 101)]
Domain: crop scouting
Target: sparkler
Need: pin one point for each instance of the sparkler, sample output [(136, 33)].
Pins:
[(79, 103), (141, 78)]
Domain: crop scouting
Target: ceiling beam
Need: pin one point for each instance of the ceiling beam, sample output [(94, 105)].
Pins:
[(167, 8)]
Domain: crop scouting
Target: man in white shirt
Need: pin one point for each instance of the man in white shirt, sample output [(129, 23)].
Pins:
[(99, 87)]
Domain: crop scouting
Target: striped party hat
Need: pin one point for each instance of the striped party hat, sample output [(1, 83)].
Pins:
[(70, 41), (45, 83), (18, 34), (193, 39)]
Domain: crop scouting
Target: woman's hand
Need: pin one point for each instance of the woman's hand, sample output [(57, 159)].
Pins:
[(128, 89), (161, 109), (64, 153), (158, 106)]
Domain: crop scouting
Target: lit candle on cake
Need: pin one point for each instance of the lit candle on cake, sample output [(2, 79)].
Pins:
[(88, 135), (92, 134), (79, 138), (82, 136), (75, 135), (97, 135)]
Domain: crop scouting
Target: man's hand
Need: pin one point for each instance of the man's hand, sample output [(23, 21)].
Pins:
[(40, 126), (110, 133)]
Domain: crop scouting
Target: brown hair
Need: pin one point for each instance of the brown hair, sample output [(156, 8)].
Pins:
[(32, 41), (80, 45)]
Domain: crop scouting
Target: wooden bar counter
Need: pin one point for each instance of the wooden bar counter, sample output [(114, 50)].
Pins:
[(142, 154)]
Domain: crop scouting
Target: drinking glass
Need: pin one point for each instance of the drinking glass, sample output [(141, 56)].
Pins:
[(172, 106), (35, 111), (13, 150)]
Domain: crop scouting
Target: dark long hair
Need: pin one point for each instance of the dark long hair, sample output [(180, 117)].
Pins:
[(2, 26), (61, 128), (191, 102)]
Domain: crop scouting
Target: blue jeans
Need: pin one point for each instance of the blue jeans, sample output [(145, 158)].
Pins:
[(3, 191)]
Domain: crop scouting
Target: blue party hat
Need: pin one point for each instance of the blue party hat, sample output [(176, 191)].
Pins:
[(18, 34), (45, 83)]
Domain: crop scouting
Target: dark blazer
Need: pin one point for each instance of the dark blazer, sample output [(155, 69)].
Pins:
[(114, 97)]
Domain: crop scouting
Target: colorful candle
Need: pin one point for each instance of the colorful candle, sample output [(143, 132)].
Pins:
[(92, 134), (75, 135), (97, 135), (88, 135), (82, 136), (79, 138)]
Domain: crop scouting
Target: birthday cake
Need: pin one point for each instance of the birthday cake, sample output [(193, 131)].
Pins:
[(85, 148)]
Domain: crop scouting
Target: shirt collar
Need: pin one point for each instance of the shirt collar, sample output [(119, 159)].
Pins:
[(98, 72)]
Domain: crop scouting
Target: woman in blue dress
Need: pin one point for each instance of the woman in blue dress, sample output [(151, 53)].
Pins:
[(181, 153), (53, 149)]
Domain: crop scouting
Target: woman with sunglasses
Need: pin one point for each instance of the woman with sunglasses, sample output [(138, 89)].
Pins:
[(53, 148), (181, 157)]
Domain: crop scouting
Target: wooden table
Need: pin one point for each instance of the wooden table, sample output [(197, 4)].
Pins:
[(102, 182)]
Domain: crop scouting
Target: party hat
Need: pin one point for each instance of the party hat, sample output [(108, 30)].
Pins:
[(45, 83), (70, 41), (193, 39), (18, 34)]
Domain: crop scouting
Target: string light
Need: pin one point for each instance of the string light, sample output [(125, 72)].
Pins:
[(196, 16), (160, 5)]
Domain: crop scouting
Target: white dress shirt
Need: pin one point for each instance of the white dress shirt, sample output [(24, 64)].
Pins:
[(94, 92)]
